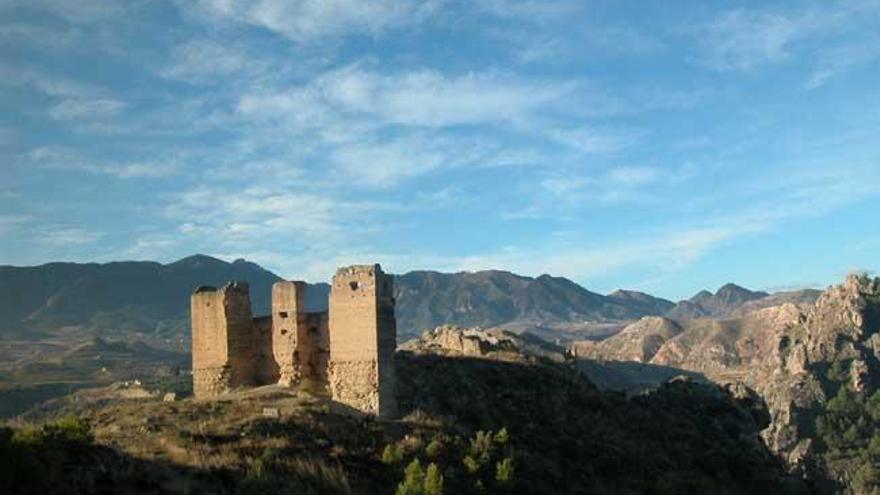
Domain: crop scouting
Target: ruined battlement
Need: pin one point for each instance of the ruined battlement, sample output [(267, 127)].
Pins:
[(349, 350)]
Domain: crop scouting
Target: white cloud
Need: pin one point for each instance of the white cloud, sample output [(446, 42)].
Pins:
[(59, 237), (57, 87), (12, 222), (55, 158), (425, 98), (742, 40), (255, 214), (615, 185), (837, 60), (77, 12), (73, 100), (594, 140), (39, 36), (384, 163), (140, 170), (310, 20), (379, 129), (203, 61), (151, 246), (75, 109), (531, 11)]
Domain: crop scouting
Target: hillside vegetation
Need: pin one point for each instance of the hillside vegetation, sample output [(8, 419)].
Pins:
[(470, 426)]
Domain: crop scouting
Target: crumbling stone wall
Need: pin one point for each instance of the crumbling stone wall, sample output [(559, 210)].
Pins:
[(208, 323), (317, 356), (225, 346), (362, 339), (288, 326), (267, 368), (243, 341)]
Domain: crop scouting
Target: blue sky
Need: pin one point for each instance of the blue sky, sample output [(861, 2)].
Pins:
[(660, 146)]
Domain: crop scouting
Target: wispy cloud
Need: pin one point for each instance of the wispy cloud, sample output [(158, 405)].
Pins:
[(66, 159), (11, 222), (743, 40), (425, 98), (79, 12), (673, 247), (209, 62), (70, 109), (60, 236), (567, 191), (232, 217), (311, 20), (837, 60), (38, 35), (594, 140), (73, 100), (379, 129), (530, 11)]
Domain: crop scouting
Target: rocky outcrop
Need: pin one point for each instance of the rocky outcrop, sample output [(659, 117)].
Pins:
[(840, 330), (451, 340), (784, 353)]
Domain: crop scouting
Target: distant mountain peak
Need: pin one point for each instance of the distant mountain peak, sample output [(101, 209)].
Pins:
[(732, 292), (703, 295), (197, 259), (723, 302)]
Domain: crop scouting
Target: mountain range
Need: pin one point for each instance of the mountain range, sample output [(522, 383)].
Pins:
[(151, 297)]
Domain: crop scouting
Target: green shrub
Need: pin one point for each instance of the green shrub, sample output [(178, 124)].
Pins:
[(433, 480), (435, 448), (502, 437), (64, 431), (393, 454), (414, 480), (504, 471), (470, 464)]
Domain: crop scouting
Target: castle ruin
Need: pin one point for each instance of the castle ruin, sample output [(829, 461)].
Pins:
[(348, 351)]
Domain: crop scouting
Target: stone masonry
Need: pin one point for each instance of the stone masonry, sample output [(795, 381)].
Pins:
[(363, 336), (348, 351)]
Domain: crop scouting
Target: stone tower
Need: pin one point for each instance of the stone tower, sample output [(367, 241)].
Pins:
[(225, 342), (288, 329), (363, 337)]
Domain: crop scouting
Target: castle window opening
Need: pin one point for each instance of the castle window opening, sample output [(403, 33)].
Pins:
[(354, 285), (282, 314)]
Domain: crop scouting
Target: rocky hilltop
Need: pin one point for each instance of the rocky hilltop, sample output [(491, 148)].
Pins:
[(487, 425), (451, 340)]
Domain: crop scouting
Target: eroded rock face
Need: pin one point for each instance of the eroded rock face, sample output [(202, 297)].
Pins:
[(782, 352), (838, 329)]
